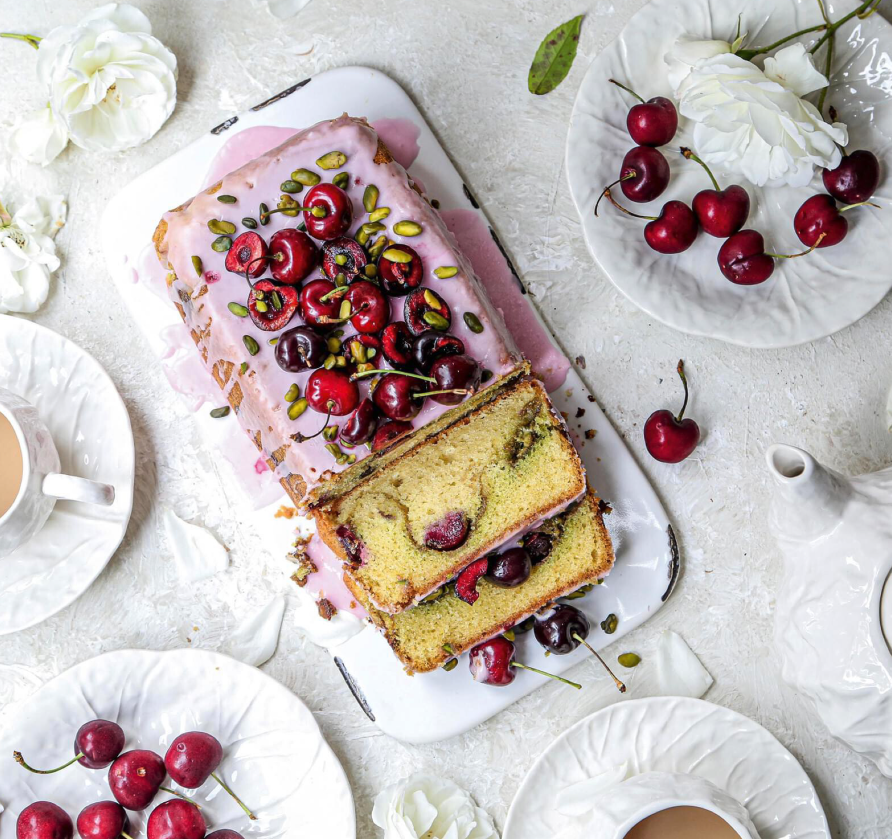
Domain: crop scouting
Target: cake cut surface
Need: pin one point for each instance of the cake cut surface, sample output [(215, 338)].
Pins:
[(495, 472)]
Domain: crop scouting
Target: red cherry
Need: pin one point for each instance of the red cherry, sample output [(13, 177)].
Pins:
[(332, 390), (492, 663), (457, 375), (225, 833), (820, 215), (338, 209), (369, 307), (388, 432), (651, 123), (395, 396), (135, 778), (176, 819), (248, 254), (96, 744), (448, 533), (192, 758), (742, 258), (313, 306), (360, 425), (344, 256), (399, 278), (271, 307), (43, 820), (721, 212), (466, 582), (103, 820), (644, 174), (293, 256), (855, 179), (396, 343), (674, 230), (668, 438)]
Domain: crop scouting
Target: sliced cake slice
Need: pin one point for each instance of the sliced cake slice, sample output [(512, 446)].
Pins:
[(436, 505), (571, 549)]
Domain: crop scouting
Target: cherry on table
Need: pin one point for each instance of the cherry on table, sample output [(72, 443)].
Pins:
[(669, 438), (510, 568), (360, 425), (43, 820), (493, 663), (855, 179), (96, 744), (650, 123), (319, 305), (388, 432), (293, 255), (820, 223), (332, 392), (176, 819), (720, 212), (301, 348), (135, 778), (344, 256), (103, 820), (271, 307), (400, 270), (247, 256), (456, 376)]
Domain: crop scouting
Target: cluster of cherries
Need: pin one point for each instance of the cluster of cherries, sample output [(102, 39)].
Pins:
[(425, 361), (135, 778), (742, 258)]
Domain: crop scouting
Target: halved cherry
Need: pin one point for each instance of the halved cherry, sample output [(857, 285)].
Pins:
[(398, 277), (332, 391), (424, 309), (313, 307), (466, 583), (293, 256), (344, 256), (360, 425), (361, 349), (247, 254), (448, 533), (396, 343), (388, 432), (334, 208), (370, 309), (430, 346), (350, 542), (271, 306)]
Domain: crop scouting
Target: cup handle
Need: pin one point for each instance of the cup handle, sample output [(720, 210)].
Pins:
[(70, 488)]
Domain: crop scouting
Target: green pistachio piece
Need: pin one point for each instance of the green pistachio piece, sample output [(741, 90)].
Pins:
[(305, 177), (264, 215), (251, 345), (296, 408), (629, 659), (243, 368), (292, 393), (370, 198), (396, 255), (444, 272), (250, 223), (221, 228), (610, 623), (380, 213), (332, 160), (436, 321), (221, 244), (473, 322), (238, 310), (450, 665), (218, 413), (197, 265), (291, 186), (330, 432), (407, 228), (341, 180), (227, 199)]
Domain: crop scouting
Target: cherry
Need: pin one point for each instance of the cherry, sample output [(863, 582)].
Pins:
[(538, 545), (343, 256), (394, 396), (855, 179), (271, 307), (316, 306), (176, 819), (457, 376), (509, 568), (43, 820), (448, 533), (430, 346), (668, 438), (819, 223), (643, 176), (360, 349), (135, 778), (742, 258), (721, 212), (424, 309), (466, 582), (332, 392), (293, 255), (651, 123), (103, 820), (396, 344), (248, 255), (360, 425), (301, 348), (388, 432), (492, 661), (398, 274), (338, 212), (370, 309), (673, 231), (225, 833), (96, 744), (351, 543)]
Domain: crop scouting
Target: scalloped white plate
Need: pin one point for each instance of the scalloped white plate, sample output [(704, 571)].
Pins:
[(673, 734), (275, 757), (91, 429), (805, 299)]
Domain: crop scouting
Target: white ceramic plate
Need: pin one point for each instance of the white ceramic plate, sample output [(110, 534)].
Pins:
[(91, 429), (274, 755), (673, 734), (806, 298)]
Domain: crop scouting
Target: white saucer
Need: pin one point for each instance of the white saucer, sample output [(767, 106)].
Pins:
[(274, 755), (673, 734), (805, 299), (91, 429)]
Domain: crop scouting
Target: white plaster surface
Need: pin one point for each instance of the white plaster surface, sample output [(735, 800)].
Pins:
[(465, 64)]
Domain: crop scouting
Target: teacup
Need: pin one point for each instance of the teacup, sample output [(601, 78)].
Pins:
[(30, 481)]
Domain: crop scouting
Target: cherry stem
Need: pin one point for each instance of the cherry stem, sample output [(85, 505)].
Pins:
[(298, 438), (619, 685), (238, 800), (317, 212), (689, 155), (334, 293), (543, 673), (860, 204), (457, 392), (801, 253), (684, 381), (248, 269), (180, 795), (627, 90), (126, 835), (377, 370), (21, 762), (28, 39), (606, 191), (618, 206), (828, 63)]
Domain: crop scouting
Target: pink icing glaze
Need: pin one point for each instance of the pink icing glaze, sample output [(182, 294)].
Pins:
[(401, 137), (328, 581)]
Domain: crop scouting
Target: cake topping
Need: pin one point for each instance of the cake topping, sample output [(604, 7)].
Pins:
[(510, 568), (395, 395), (317, 302), (360, 425), (293, 256), (343, 256), (271, 307), (388, 432), (401, 270), (247, 255), (301, 348), (466, 582), (424, 309), (396, 343), (449, 533)]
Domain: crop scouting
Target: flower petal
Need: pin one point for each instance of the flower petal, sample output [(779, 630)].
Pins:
[(39, 137), (794, 68)]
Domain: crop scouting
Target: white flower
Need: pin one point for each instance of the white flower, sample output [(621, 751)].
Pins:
[(753, 122), (40, 137), (110, 83), (427, 807), (28, 253), (686, 53)]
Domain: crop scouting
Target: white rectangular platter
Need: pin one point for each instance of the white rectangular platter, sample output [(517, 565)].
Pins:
[(433, 706)]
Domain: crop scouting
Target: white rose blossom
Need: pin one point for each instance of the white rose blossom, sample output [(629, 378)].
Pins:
[(755, 122), (427, 807), (110, 83), (28, 253)]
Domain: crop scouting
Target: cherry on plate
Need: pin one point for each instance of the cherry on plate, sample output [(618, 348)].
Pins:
[(742, 258), (673, 231), (720, 212), (562, 630), (247, 256), (135, 778), (96, 744), (510, 568), (669, 438), (43, 820), (176, 819), (538, 545), (293, 256), (103, 820), (819, 223), (650, 123), (402, 272), (271, 307), (855, 179), (643, 176), (493, 663)]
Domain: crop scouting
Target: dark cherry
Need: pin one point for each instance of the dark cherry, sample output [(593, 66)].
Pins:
[(668, 438), (742, 258), (493, 663), (395, 396), (332, 390), (855, 179), (248, 254), (388, 432), (293, 256), (96, 744), (396, 343), (399, 278), (176, 819), (722, 212), (459, 375), (466, 582), (313, 308), (301, 348), (651, 123), (426, 302), (430, 346), (103, 820), (509, 568), (556, 632), (370, 308), (351, 543), (820, 215), (43, 820), (225, 833), (338, 212), (448, 533), (674, 230), (360, 425), (644, 174), (192, 758), (135, 778), (352, 258), (271, 307), (538, 545)]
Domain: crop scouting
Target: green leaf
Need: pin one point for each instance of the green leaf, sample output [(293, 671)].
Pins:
[(555, 57)]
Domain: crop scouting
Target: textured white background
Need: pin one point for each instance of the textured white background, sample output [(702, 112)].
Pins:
[(465, 64)]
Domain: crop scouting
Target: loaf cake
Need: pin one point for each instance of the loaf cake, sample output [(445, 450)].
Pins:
[(578, 552)]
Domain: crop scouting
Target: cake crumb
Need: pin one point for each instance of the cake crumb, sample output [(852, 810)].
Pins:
[(580, 412), (326, 609), (591, 398), (590, 434), (305, 567), (285, 512), (580, 360)]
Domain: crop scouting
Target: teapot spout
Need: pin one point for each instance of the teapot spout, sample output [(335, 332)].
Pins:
[(809, 499)]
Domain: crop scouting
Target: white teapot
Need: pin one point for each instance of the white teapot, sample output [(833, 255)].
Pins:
[(836, 537)]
